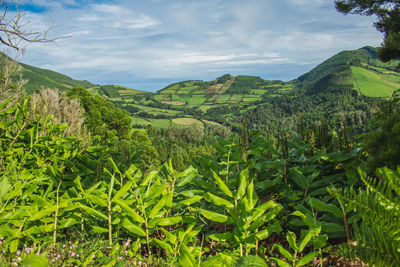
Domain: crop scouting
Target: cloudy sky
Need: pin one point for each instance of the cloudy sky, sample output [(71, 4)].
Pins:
[(148, 44)]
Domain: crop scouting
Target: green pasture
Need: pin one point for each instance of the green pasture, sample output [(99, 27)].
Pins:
[(236, 98), (371, 83), (156, 111), (196, 100), (187, 122), (156, 123), (258, 91), (251, 98), (223, 99)]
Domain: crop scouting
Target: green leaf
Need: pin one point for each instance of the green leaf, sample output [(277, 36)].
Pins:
[(191, 200), (263, 234), (185, 257), (275, 227), (43, 228), (251, 261), (283, 252), (78, 184), (187, 176), (96, 200), (298, 178), (5, 103), (213, 216), (291, 238), (329, 227), (306, 259), (14, 246), (163, 245), (321, 206), (99, 230), (218, 200), (252, 197), (244, 176), (169, 237), (156, 189), (159, 205), (115, 168), (149, 177), (260, 210), (320, 241), (125, 188), (303, 243), (170, 221), (224, 237), (92, 211), (94, 187), (18, 117), (299, 214), (67, 223), (130, 212), (133, 228), (25, 107), (111, 186), (35, 261), (339, 156), (280, 262), (222, 185), (4, 187)]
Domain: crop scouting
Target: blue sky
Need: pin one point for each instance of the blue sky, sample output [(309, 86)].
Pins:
[(148, 44)]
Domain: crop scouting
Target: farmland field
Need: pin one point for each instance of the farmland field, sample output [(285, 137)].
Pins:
[(371, 83)]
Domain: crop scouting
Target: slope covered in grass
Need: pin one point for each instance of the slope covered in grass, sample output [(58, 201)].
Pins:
[(372, 83)]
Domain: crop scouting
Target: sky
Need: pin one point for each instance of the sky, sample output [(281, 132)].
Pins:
[(148, 44)]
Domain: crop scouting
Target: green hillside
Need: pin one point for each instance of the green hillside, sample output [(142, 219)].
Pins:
[(41, 77), (38, 78), (375, 82), (344, 70)]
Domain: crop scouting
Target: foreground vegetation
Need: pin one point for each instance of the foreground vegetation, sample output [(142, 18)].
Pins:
[(66, 198)]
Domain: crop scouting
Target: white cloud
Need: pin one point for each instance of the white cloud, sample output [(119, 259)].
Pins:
[(136, 41)]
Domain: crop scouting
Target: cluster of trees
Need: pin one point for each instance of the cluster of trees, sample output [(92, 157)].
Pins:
[(388, 17), (109, 90), (244, 84)]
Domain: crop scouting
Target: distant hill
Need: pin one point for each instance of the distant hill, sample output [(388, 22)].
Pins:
[(359, 70), (38, 78)]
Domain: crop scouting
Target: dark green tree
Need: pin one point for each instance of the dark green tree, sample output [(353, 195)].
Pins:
[(388, 21), (383, 143), (102, 117)]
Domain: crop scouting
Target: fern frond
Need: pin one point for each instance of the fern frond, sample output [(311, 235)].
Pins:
[(378, 237)]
